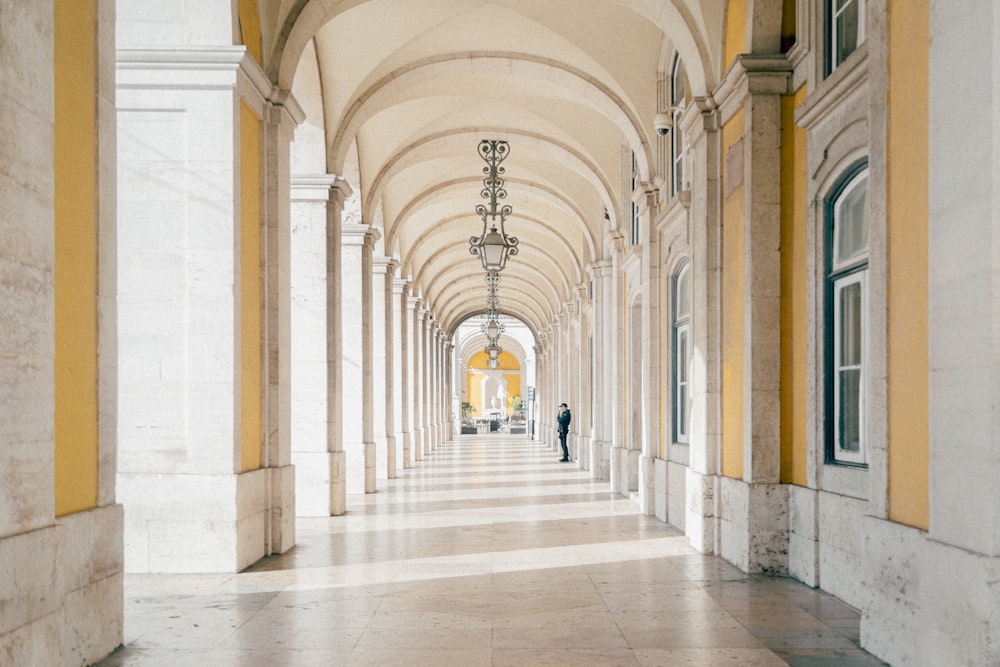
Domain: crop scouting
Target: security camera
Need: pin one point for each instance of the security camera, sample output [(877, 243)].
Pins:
[(662, 123)]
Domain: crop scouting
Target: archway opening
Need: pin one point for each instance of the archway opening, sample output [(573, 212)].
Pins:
[(499, 397)]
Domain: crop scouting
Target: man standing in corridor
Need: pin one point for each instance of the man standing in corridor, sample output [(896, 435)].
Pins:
[(564, 419)]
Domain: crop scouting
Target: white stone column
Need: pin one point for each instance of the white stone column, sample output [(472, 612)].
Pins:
[(393, 364), (416, 373), (310, 200), (334, 349), (424, 381), (355, 328), (381, 403), (754, 518), (405, 374), (651, 346), (618, 364), (282, 116), (704, 437), (433, 398), (439, 401), (604, 391), (180, 283)]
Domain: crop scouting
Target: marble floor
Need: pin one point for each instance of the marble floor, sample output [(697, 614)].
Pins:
[(488, 552)]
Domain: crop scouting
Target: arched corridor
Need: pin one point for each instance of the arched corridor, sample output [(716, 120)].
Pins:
[(256, 257), (488, 553)]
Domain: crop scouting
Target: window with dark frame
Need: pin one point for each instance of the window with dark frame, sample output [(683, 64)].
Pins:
[(846, 348)]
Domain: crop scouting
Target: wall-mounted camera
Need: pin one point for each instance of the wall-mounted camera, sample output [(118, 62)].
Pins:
[(662, 123)]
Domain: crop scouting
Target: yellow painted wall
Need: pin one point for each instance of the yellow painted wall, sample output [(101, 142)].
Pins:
[(474, 392), (513, 388), (794, 305), (732, 311), (480, 361), (906, 220), (508, 362), (76, 174), (736, 30), (250, 27), (250, 290)]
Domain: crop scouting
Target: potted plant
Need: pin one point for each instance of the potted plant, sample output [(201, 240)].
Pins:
[(468, 423), (517, 414)]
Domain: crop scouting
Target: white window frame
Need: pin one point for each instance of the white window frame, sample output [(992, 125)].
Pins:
[(840, 453), (835, 57), (677, 99), (681, 358)]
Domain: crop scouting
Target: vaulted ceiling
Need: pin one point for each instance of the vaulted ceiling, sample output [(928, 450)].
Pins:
[(399, 93)]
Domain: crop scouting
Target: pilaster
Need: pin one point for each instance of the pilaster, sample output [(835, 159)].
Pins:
[(381, 332), (356, 329)]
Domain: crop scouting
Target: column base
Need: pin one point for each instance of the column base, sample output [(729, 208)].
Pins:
[(701, 523), (212, 523), (317, 482), (282, 529), (407, 450), (67, 584), (390, 457), (753, 525), (647, 485), (371, 467)]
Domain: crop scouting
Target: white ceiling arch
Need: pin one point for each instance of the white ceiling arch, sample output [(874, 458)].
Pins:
[(517, 70), (413, 153), (408, 89)]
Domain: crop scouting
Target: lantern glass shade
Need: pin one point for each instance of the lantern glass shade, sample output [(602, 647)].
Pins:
[(493, 351), (494, 363), (492, 330), (494, 250)]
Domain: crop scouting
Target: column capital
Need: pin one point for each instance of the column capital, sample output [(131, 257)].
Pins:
[(752, 74), (316, 187), (600, 268), (358, 235), (383, 265), (286, 107), (615, 239)]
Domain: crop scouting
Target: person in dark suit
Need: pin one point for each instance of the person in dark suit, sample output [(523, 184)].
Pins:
[(563, 419)]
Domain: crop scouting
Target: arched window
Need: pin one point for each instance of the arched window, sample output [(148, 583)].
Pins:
[(847, 319), (681, 339), (678, 93)]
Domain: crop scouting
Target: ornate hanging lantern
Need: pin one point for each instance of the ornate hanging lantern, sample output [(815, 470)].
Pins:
[(493, 246)]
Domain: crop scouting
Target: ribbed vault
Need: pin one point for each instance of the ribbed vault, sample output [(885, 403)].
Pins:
[(400, 94)]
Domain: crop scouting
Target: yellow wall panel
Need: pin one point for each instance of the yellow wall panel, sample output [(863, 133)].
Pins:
[(736, 30), (513, 388), (76, 174), (794, 304), (250, 290), (907, 293), (732, 304), (250, 27)]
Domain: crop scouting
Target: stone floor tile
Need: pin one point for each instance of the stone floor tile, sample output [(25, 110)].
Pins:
[(488, 552), (564, 658), (708, 657)]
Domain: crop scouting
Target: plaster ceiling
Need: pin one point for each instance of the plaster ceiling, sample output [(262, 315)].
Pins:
[(398, 95)]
